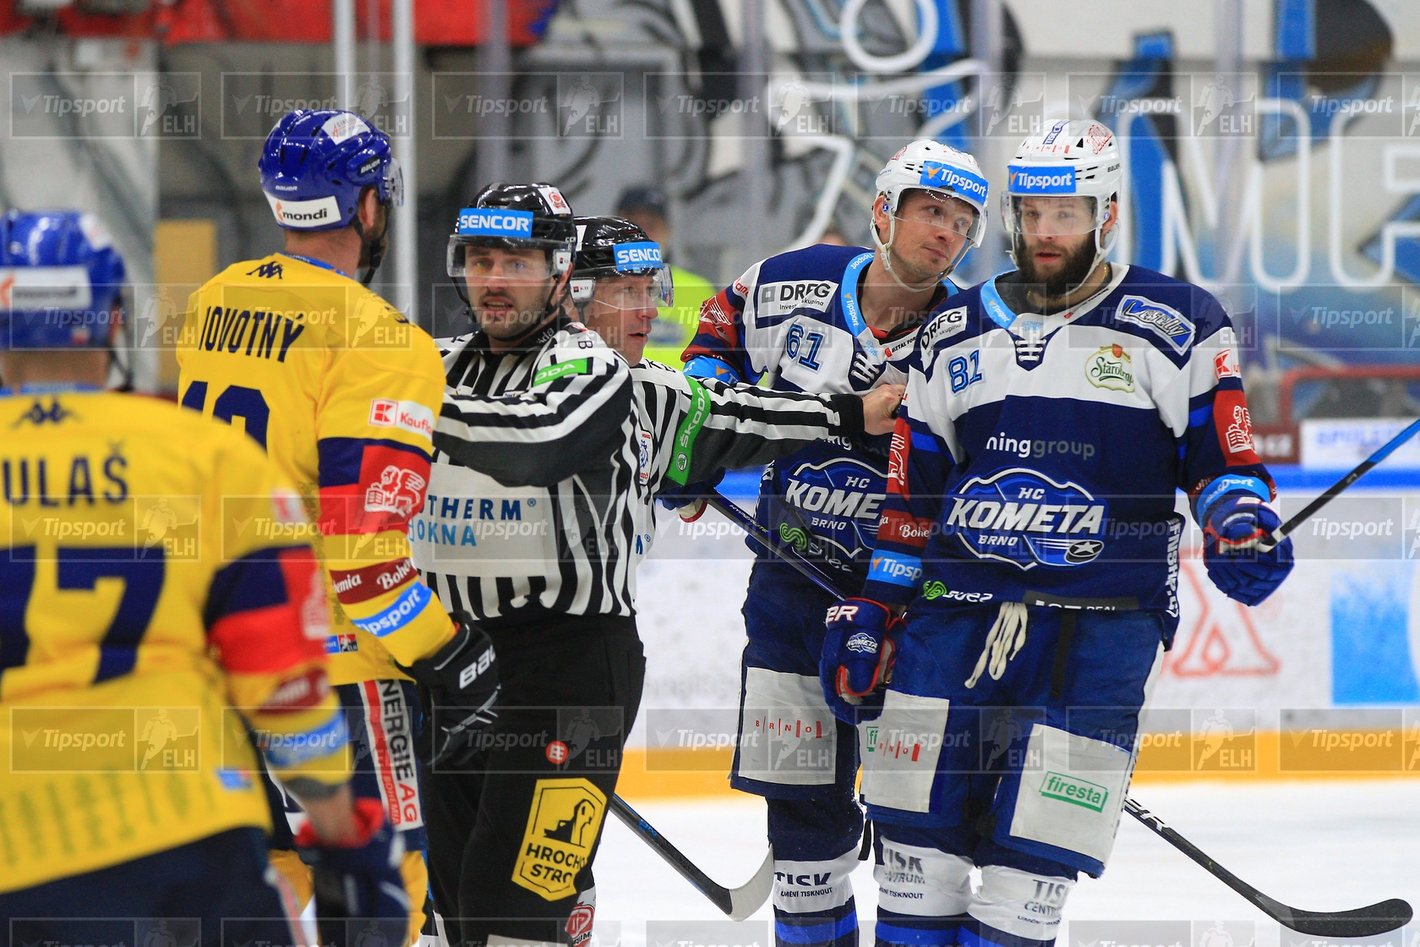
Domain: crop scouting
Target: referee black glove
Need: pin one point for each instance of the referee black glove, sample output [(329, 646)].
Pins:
[(462, 681)]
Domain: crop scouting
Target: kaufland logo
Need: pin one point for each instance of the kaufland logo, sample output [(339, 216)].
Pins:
[(299, 214), (1033, 181), (493, 222), (637, 256), (936, 174)]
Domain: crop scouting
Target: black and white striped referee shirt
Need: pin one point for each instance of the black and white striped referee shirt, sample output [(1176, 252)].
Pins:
[(547, 460)]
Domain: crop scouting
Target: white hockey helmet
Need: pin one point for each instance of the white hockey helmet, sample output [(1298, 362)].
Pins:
[(932, 166), (1068, 159)]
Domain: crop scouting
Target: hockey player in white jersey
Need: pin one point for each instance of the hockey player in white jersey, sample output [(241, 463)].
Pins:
[(827, 319), (1029, 529)]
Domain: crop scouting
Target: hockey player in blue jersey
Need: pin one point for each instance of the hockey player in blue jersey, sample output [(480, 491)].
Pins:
[(1030, 531), (827, 319)]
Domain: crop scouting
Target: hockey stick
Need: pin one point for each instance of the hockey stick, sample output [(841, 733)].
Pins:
[(1379, 918), (1380, 454), (739, 903)]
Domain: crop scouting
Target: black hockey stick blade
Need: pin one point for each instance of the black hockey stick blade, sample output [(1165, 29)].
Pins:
[(738, 903), (1380, 454), (1379, 918)]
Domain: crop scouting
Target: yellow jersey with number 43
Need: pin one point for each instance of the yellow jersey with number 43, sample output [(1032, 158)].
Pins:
[(154, 575), (342, 391)]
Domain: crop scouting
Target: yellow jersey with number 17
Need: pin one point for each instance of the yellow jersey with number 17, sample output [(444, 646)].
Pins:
[(342, 391), (155, 573)]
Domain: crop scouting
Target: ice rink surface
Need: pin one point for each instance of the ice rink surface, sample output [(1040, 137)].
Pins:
[(1330, 845)]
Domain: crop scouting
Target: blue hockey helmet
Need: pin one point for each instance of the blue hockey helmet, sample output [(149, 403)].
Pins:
[(317, 162), (61, 281)]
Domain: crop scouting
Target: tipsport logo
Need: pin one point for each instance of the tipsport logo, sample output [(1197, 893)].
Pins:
[(106, 105), (1024, 180), (938, 175), (252, 102)]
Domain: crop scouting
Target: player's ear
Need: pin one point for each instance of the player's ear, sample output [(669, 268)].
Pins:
[(1113, 219), (369, 208)]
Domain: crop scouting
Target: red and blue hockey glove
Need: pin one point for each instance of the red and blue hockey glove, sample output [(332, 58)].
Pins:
[(857, 658), (358, 884), (462, 680), (1235, 527)]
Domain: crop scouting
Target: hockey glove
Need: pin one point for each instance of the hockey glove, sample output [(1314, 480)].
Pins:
[(462, 680), (688, 501), (359, 882), (858, 654), (1233, 527)]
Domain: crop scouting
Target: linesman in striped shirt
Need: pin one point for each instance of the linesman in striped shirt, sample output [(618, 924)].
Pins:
[(548, 452)]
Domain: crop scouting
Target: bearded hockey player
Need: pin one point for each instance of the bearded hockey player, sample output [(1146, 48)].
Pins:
[(1054, 415)]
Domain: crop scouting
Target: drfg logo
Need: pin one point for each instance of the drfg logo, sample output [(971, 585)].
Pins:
[(796, 291)]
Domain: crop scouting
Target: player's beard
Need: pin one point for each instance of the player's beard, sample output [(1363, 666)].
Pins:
[(1074, 269), (522, 321), (372, 251)]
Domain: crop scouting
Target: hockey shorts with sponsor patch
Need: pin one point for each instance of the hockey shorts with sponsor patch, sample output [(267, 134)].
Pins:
[(789, 744), (1036, 761)]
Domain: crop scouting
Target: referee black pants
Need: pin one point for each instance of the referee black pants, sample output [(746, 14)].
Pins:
[(512, 835)]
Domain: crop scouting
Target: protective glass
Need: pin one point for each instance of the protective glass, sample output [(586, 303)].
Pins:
[(635, 291), (940, 210), (1049, 216), (472, 261), (394, 182)]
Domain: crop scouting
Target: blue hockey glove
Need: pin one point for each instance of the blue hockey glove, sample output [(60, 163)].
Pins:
[(688, 501), (359, 886), (1233, 527), (462, 681), (857, 658)]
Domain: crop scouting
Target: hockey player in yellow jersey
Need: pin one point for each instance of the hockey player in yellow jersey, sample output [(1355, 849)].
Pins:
[(136, 648), (342, 391)]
